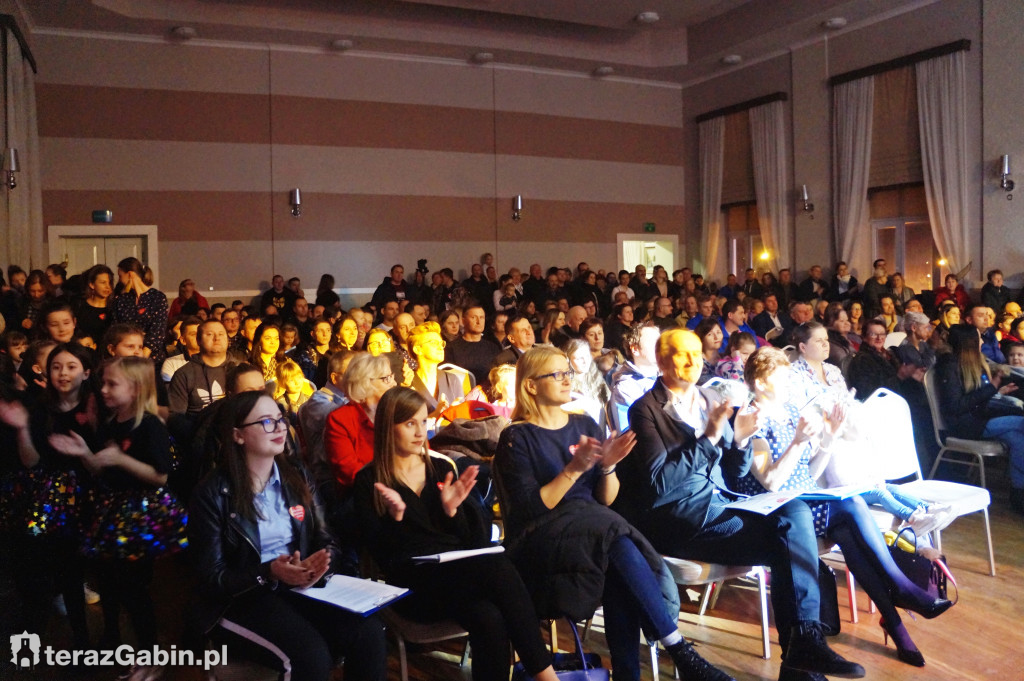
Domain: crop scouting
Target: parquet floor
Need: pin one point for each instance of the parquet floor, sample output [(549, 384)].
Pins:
[(982, 637)]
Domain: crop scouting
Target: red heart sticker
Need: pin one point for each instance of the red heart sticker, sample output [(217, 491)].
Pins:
[(125, 444), (82, 418), (297, 512), (103, 315), (142, 310), (572, 449)]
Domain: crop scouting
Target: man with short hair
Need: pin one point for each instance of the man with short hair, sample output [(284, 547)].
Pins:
[(387, 315), (216, 310), (663, 318), (392, 288), (478, 286), (301, 317), (875, 288), (312, 417), (278, 295), (640, 283), (768, 319), (674, 488), (533, 286), (404, 323), (637, 374), (420, 312), (734, 318), (188, 343), (980, 317), (520, 339), (786, 289), (295, 284), (751, 286), (731, 287), (705, 308), (573, 318), (201, 380), (814, 287), (623, 287), (472, 350)]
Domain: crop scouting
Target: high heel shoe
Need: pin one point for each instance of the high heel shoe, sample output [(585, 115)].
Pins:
[(929, 611), (906, 651)]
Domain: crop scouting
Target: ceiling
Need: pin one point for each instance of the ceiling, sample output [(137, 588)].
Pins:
[(686, 43)]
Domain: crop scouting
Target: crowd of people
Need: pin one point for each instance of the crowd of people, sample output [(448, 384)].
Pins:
[(621, 416)]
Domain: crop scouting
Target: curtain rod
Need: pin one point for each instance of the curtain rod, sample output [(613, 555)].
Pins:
[(900, 62), (743, 106), (8, 21)]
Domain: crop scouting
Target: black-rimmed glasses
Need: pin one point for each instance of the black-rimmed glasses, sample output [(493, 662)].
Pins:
[(270, 425), (557, 375)]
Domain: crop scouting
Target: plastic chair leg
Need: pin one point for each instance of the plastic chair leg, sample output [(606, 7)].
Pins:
[(988, 538), (762, 589)]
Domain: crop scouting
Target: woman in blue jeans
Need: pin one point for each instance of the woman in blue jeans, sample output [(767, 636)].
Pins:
[(966, 388), (790, 453), (556, 478)]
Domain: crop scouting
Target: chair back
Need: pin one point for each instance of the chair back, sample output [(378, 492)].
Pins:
[(885, 416), (773, 333), (933, 406), (895, 338), (448, 366), (792, 354)]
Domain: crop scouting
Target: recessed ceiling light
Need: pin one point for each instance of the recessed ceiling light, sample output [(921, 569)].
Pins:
[(602, 71), (483, 57), (732, 59), (341, 44), (834, 23), (184, 32), (647, 17)]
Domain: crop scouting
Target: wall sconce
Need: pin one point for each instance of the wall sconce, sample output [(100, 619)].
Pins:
[(11, 166), (517, 207), (806, 198), (1006, 183), (295, 201)]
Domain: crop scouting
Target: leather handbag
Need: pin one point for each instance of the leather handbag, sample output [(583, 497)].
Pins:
[(931, 574), (575, 666)]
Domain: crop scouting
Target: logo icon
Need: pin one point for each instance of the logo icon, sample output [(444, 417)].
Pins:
[(25, 650)]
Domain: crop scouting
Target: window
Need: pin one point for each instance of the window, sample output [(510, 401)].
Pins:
[(902, 234), (744, 237)]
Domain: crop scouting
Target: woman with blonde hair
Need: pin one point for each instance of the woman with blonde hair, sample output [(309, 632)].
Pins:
[(556, 479), (142, 305), (411, 501)]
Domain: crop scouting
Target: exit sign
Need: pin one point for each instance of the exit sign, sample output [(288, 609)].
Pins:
[(648, 226)]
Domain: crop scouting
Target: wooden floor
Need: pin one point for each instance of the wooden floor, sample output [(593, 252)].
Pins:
[(980, 638)]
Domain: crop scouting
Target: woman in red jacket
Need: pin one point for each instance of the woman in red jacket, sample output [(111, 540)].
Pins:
[(348, 433)]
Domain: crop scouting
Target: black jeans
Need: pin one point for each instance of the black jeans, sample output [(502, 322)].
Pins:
[(302, 637), (783, 540), (126, 583)]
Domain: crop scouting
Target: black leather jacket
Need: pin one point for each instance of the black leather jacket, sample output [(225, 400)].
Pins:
[(225, 547)]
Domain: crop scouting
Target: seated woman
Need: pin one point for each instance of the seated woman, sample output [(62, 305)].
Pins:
[(501, 394), (348, 431), (592, 330), (411, 501), (590, 393), (740, 346), (556, 477), (440, 387), (840, 340), (255, 532), (710, 333), (855, 310), (450, 325), (965, 389), (919, 330), (553, 321), (790, 452), (266, 350), (345, 335)]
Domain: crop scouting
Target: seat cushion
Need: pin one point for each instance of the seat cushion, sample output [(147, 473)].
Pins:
[(695, 572), (982, 447)]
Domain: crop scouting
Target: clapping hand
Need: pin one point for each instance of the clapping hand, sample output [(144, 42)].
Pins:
[(616, 448), (718, 414), (293, 571), (747, 423), (454, 493), (14, 414), (834, 419), (805, 430), (392, 501), (71, 444)]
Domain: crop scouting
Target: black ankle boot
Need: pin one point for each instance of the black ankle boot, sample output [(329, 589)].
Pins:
[(787, 674), (693, 667), (808, 652)]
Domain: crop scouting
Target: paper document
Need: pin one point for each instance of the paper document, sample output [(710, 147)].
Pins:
[(361, 596), (764, 503), (844, 492), (448, 556)]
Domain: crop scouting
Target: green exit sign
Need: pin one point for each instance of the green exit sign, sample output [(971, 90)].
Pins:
[(648, 226)]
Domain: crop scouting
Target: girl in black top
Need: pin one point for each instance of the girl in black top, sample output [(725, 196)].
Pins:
[(45, 535), (95, 313), (410, 503), (132, 455)]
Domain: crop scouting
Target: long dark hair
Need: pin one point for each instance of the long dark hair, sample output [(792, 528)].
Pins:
[(234, 412), (396, 406), (256, 354), (83, 355), (965, 342)]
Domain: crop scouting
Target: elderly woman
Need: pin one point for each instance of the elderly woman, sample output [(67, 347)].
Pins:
[(790, 452), (348, 432), (919, 331)]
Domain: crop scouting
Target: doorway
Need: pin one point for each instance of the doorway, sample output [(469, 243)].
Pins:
[(648, 250), (907, 246), (82, 246)]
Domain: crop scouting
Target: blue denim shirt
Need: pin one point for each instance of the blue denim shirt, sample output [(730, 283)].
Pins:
[(275, 524)]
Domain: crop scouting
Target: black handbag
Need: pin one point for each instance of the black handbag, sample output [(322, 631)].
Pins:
[(932, 575), (829, 611), (575, 666)]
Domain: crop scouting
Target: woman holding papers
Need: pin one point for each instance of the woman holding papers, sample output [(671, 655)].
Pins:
[(410, 502), (256, 533), (790, 451), (556, 476)]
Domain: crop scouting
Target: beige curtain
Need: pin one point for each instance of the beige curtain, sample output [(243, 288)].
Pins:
[(851, 163), (895, 136), (943, 117), (21, 209), (711, 150), (768, 146)]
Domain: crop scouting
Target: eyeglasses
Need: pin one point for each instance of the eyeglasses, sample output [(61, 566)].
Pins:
[(379, 344), (270, 425), (434, 341), (557, 375), (390, 378)]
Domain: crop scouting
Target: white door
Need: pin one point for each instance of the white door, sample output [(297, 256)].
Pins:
[(82, 252), (647, 252)]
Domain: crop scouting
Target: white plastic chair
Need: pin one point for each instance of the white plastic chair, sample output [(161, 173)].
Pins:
[(891, 425), (976, 450)]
